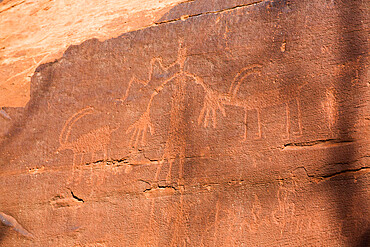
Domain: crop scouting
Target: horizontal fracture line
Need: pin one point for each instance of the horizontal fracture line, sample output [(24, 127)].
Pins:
[(207, 13), (317, 142), (327, 176)]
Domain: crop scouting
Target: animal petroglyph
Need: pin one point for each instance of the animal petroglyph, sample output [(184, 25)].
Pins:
[(92, 142), (216, 101)]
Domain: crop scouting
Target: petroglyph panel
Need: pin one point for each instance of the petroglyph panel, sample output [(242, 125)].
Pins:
[(240, 125)]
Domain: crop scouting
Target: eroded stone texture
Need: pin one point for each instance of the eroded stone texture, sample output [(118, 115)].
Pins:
[(37, 32), (246, 126)]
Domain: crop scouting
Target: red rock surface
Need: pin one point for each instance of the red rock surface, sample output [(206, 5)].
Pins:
[(36, 32), (226, 124)]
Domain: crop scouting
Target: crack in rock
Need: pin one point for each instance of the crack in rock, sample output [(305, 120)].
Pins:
[(321, 143), (77, 198)]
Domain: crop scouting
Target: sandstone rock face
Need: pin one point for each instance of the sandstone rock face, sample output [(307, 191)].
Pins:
[(229, 123), (36, 32)]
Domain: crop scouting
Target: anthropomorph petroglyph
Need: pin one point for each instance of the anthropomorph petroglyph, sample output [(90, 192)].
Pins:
[(174, 74), (330, 106), (175, 144), (139, 128), (285, 213), (89, 143)]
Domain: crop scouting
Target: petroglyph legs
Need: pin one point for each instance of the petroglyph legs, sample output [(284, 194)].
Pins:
[(299, 116), (287, 125), (246, 124), (89, 143), (212, 103)]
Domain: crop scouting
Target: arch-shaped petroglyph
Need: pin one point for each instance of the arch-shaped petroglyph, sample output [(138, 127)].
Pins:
[(89, 143), (242, 75)]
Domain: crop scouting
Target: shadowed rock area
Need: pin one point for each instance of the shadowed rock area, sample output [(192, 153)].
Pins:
[(37, 32), (228, 123)]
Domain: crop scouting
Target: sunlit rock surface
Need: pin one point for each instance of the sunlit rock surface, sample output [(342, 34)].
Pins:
[(36, 32), (228, 123)]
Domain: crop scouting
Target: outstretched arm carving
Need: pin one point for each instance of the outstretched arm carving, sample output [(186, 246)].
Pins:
[(213, 102), (155, 85), (139, 129)]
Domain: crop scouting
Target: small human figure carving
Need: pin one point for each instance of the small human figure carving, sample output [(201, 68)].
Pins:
[(10, 221), (286, 208), (330, 106)]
